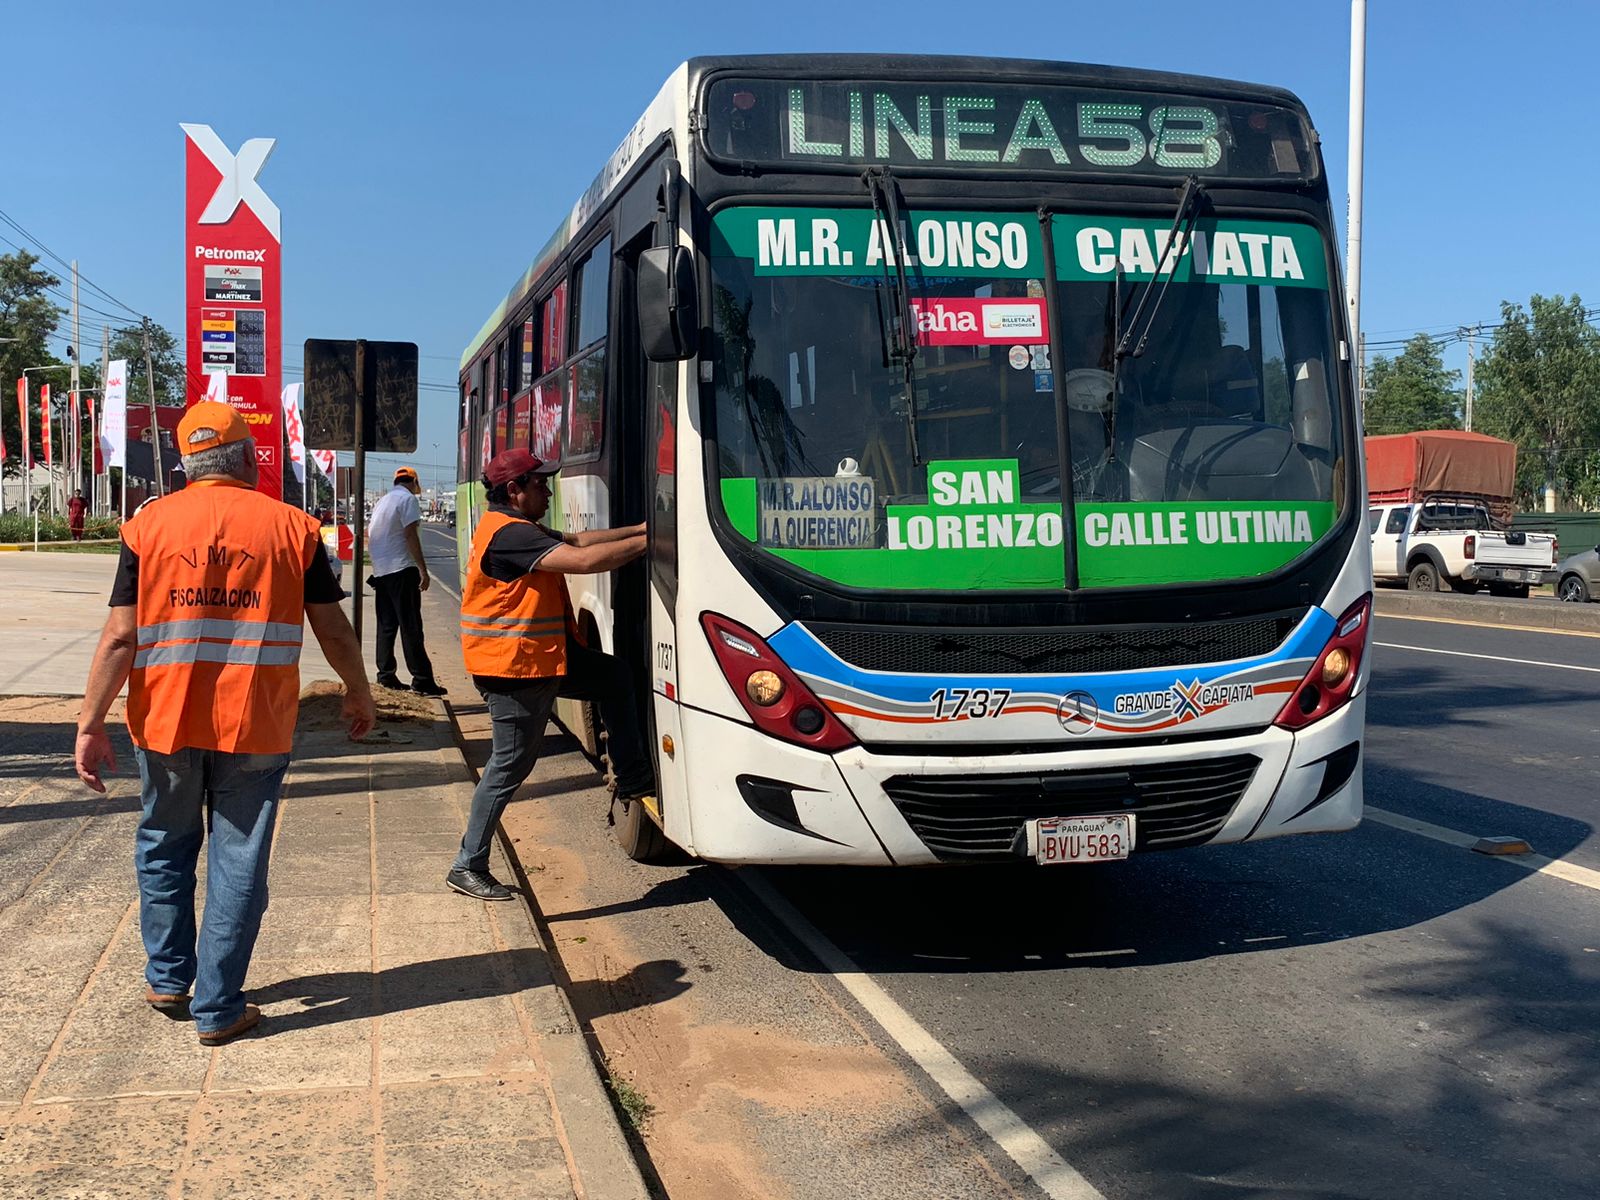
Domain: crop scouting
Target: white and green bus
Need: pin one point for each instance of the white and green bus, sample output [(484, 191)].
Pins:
[(994, 422)]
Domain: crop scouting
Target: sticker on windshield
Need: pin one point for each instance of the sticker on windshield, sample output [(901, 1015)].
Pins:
[(816, 513), (979, 321)]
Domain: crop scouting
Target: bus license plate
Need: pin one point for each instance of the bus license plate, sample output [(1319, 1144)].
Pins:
[(1055, 841)]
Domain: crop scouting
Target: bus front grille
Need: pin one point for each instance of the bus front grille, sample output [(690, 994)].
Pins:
[(963, 651), (974, 818)]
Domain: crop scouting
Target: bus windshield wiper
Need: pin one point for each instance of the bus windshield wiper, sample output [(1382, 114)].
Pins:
[(902, 331), (1187, 215)]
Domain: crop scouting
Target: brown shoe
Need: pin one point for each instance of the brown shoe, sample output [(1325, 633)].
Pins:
[(216, 1037), (168, 1004)]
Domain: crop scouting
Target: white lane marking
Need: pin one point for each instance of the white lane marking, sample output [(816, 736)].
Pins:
[(1538, 863), (450, 551), (1026, 1148), (1099, 953), (1488, 625), (1521, 662)]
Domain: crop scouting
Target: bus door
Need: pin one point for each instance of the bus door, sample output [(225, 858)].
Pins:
[(631, 473)]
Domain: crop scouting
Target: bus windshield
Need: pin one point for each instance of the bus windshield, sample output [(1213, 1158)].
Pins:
[(1217, 453)]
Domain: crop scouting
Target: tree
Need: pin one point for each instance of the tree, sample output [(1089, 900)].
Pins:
[(1540, 388), (28, 315), (1413, 391), (171, 385)]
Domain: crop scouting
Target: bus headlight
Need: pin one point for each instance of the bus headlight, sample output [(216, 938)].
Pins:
[(764, 687), (776, 700), (1331, 681)]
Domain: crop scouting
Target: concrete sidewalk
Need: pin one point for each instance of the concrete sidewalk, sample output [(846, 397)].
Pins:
[(413, 1043)]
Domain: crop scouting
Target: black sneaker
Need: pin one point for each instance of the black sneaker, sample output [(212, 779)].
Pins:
[(391, 682), (429, 689), (480, 885)]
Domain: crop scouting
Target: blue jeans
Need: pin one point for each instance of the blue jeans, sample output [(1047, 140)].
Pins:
[(187, 794), (518, 722)]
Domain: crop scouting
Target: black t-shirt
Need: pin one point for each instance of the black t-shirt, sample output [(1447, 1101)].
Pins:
[(516, 548), (513, 552), (320, 585)]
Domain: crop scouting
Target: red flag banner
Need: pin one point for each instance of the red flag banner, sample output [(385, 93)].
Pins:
[(44, 425), (94, 436), (22, 411)]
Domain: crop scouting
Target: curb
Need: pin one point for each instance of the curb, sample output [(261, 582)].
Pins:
[(1538, 613), (602, 1158)]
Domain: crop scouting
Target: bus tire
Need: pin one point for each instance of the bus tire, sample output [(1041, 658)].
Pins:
[(640, 837)]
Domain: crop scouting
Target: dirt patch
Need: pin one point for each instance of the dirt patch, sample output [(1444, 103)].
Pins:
[(320, 701), (49, 710)]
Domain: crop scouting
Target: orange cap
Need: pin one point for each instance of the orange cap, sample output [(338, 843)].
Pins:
[(404, 473), (209, 424)]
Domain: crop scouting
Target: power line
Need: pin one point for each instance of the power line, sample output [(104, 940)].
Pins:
[(83, 280)]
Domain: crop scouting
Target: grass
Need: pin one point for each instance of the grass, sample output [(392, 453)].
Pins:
[(634, 1106)]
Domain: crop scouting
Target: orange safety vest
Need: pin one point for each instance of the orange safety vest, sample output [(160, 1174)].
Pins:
[(220, 615), (515, 630)]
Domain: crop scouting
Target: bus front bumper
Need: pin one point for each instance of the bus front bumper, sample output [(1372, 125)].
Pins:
[(763, 801)]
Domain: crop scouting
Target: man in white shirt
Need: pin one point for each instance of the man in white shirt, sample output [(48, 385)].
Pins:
[(399, 577)]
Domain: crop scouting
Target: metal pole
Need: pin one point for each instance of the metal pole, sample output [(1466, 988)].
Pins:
[(50, 436), (358, 513), (1358, 116), (155, 424), (27, 448), (1471, 334)]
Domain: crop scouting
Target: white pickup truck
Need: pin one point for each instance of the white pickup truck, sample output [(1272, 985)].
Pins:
[(1452, 543)]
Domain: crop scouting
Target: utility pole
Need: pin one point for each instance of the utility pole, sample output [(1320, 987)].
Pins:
[(1470, 332), (155, 424)]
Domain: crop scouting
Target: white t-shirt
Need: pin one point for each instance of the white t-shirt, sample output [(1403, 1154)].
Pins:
[(386, 534)]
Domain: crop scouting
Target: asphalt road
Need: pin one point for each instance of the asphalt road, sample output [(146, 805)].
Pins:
[(1375, 1014)]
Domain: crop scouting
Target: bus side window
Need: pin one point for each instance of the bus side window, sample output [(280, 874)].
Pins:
[(586, 395), (553, 319)]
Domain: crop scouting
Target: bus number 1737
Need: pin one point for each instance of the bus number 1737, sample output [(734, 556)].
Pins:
[(954, 704)]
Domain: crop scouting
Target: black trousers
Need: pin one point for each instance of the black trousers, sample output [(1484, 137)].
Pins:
[(398, 600)]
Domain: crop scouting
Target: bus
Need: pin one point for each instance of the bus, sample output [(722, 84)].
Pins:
[(994, 423)]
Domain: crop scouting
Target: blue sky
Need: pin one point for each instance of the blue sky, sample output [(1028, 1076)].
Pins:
[(426, 151)]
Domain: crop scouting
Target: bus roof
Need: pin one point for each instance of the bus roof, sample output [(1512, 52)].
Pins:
[(669, 112)]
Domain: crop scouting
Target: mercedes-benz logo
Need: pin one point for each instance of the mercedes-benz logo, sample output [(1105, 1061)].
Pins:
[(1077, 712)]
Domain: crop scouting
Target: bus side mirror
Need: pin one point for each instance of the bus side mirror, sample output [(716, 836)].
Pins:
[(668, 307)]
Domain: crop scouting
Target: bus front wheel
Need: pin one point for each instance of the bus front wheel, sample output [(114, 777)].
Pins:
[(640, 837)]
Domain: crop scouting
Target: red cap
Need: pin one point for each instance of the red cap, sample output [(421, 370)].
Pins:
[(511, 464)]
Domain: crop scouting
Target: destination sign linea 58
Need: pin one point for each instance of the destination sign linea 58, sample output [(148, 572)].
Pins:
[(1021, 127)]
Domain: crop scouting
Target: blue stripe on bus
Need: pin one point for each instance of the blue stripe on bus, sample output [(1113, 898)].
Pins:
[(801, 650)]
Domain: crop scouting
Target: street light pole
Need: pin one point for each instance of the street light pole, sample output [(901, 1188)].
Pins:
[(1358, 118), (50, 471)]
